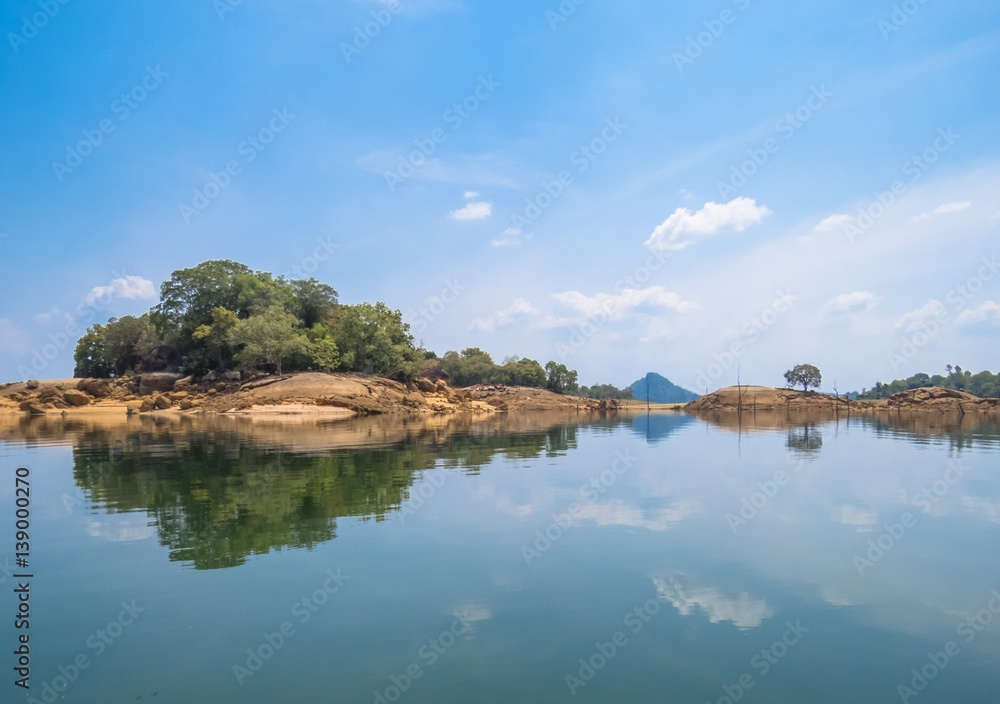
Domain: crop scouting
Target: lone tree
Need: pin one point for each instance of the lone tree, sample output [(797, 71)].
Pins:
[(805, 374)]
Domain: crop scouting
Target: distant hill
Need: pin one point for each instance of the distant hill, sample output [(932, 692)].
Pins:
[(661, 390)]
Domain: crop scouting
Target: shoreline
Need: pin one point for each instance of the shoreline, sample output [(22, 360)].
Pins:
[(343, 396), (319, 395)]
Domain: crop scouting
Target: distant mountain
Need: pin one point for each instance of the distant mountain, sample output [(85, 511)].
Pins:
[(661, 390)]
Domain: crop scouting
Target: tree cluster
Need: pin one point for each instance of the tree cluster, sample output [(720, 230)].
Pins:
[(473, 366), (984, 384), (605, 391), (221, 314)]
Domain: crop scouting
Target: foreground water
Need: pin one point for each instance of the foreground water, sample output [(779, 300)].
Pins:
[(532, 559)]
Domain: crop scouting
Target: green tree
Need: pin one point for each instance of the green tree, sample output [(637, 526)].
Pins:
[(215, 337), (984, 384), (270, 337), (314, 301), (90, 354), (258, 291), (323, 352), (560, 379), (470, 367), (373, 339), (188, 298), (606, 391), (805, 374), (524, 372), (115, 349)]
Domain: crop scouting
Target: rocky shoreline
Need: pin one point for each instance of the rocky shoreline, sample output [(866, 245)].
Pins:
[(335, 395), (935, 399), (348, 395)]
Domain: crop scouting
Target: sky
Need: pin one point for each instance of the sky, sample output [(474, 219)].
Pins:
[(713, 191)]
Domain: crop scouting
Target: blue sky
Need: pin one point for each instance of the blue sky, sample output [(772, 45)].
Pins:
[(687, 188)]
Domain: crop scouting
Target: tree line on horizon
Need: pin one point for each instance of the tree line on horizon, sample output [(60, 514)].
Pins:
[(222, 315), (984, 384)]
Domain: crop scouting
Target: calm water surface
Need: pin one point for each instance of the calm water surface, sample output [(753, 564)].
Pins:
[(534, 559)]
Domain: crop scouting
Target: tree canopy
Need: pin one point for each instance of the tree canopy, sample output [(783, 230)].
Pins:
[(473, 366), (114, 349), (560, 379), (222, 314), (605, 391), (984, 384), (805, 375)]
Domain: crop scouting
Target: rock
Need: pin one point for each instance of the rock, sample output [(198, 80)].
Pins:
[(32, 384), (216, 375), (135, 405), (49, 392), (213, 392), (162, 403), (76, 398), (415, 400), (176, 396), (164, 358), (158, 381), (183, 384), (98, 388), (187, 404), (426, 385)]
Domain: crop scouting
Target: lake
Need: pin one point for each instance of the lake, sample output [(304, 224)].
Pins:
[(548, 558)]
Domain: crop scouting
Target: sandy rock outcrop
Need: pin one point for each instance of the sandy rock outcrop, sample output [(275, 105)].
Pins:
[(937, 398), (764, 398), (157, 382), (76, 398)]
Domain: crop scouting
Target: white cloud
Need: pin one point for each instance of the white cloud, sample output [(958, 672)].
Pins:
[(861, 518), (470, 195), (510, 237), (618, 513), (12, 340), (54, 314), (616, 305), (833, 223), (474, 613), (743, 611), (683, 226), (990, 310), (853, 302), (121, 528), (519, 309), (477, 210), (932, 310), (953, 207), (945, 209), (984, 508), (129, 287)]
